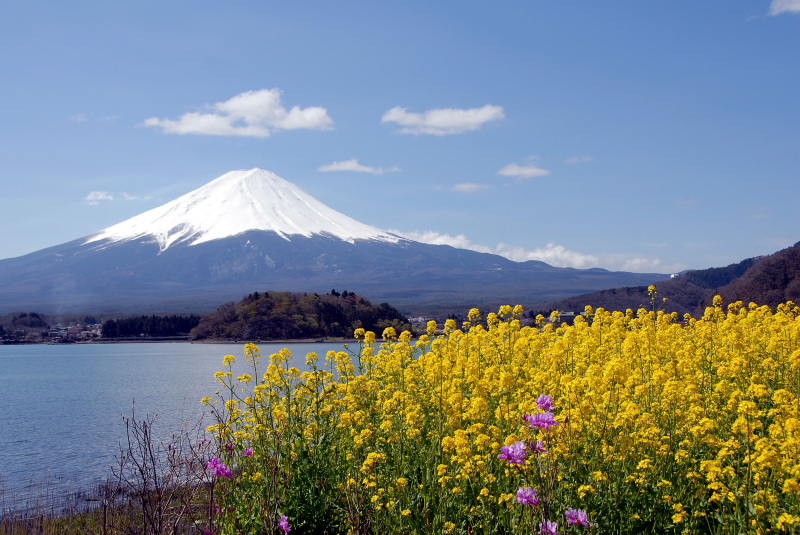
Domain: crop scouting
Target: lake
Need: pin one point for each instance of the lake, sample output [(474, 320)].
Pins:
[(61, 406)]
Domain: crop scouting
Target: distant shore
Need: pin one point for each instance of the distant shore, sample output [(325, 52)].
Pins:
[(186, 340), (288, 341)]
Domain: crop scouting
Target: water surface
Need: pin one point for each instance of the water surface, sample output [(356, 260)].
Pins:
[(61, 406)]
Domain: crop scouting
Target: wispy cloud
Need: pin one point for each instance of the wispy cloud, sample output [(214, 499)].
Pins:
[(86, 117), (442, 121), (553, 254), (94, 197), (578, 159), (784, 6), (470, 187), (755, 213), (353, 165), (249, 114), (129, 197), (522, 172)]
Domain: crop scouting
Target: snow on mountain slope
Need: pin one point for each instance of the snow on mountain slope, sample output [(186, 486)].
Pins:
[(237, 202)]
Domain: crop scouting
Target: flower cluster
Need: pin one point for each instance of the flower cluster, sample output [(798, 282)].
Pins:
[(218, 468), (651, 423), (283, 524), (513, 454), (577, 517), (542, 469)]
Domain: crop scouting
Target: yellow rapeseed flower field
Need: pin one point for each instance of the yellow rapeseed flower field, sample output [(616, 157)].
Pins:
[(661, 425)]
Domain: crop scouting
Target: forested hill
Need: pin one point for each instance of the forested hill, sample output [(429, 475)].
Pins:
[(767, 280), (286, 315), (773, 280)]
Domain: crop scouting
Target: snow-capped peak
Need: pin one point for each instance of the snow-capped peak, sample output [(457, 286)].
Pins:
[(237, 202)]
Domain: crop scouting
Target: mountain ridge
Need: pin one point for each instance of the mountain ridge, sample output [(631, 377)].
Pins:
[(765, 280), (172, 266)]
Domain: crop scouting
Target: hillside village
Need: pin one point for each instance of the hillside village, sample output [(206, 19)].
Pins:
[(32, 328)]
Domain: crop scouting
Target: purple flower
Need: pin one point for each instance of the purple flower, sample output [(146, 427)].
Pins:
[(544, 402), (283, 524), (248, 452), (527, 496), (218, 468), (538, 447), (513, 454), (542, 420), (229, 447), (577, 517), (548, 528)]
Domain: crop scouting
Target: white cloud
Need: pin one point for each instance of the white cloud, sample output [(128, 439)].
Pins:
[(251, 114), (555, 255), (578, 159), (84, 117), (444, 121), (784, 6), (129, 197), (522, 172), (353, 165), (469, 187), (95, 197)]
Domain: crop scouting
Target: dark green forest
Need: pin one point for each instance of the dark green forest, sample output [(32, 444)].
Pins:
[(712, 278), (150, 326), (287, 315)]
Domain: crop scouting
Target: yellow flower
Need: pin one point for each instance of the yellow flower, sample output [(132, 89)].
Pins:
[(677, 518), (389, 333), (653, 401)]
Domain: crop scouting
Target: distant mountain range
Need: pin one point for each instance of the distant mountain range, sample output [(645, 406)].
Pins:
[(250, 231), (766, 280)]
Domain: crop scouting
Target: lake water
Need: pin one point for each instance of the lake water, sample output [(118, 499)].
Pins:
[(61, 406)]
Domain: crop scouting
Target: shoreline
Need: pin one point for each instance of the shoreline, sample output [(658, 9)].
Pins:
[(187, 340)]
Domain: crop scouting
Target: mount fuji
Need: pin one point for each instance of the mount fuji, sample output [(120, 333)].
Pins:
[(235, 203), (251, 230)]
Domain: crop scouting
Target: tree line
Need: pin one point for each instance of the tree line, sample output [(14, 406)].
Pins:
[(150, 326)]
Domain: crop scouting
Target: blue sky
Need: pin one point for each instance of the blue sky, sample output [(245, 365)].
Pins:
[(644, 136)]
